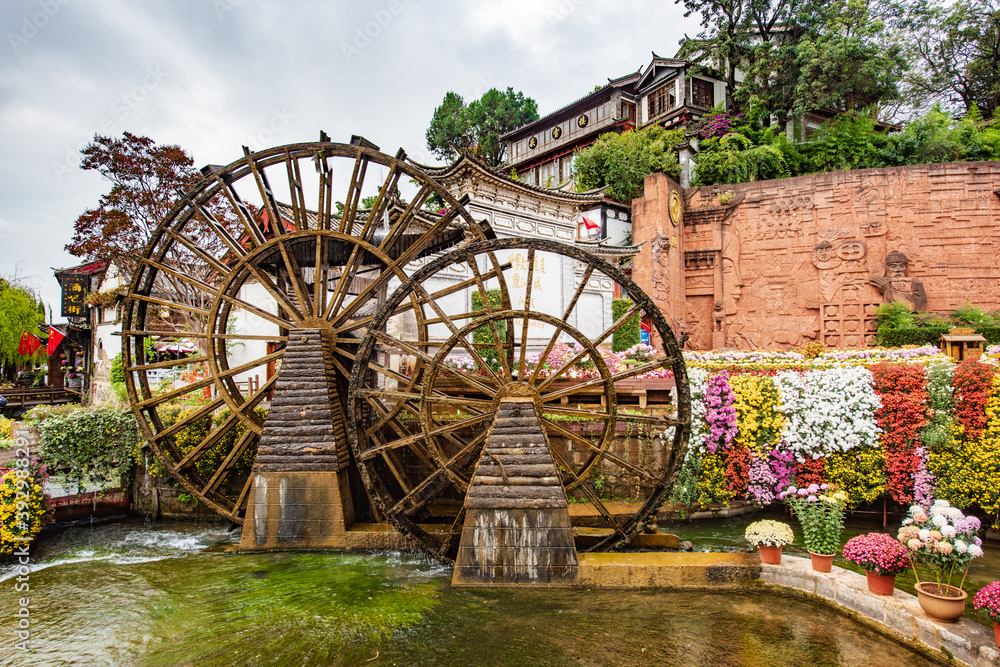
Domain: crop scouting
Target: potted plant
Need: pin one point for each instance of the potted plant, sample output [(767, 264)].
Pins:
[(942, 540), (882, 558), (988, 599), (769, 536), (820, 510)]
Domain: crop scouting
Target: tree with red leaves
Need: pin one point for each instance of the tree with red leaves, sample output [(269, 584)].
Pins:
[(146, 181)]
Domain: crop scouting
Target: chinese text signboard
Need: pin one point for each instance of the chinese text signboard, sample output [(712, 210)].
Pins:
[(74, 288)]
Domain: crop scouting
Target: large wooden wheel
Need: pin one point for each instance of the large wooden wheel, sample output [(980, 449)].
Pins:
[(246, 257), (418, 435)]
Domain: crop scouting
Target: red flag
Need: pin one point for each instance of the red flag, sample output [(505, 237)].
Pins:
[(29, 344), (54, 339), (591, 224)]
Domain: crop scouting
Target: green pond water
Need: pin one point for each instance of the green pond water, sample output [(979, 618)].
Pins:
[(129, 593)]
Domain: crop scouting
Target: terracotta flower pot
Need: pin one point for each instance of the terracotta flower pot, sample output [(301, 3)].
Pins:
[(769, 555), (822, 562), (996, 632), (940, 601), (881, 584)]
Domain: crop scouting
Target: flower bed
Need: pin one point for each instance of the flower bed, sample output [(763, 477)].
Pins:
[(911, 430)]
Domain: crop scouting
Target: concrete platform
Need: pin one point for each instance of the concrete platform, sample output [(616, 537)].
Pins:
[(669, 570)]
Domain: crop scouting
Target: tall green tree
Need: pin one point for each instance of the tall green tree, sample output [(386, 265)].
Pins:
[(622, 161), (956, 52), (20, 310), (478, 126), (799, 55)]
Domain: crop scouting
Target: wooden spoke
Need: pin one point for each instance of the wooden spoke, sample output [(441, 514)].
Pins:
[(440, 294), (198, 334), (212, 262), (170, 304), (242, 211), (454, 426), (353, 198), (467, 378), (169, 363), (621, 375), (460, 339), (201, 384), (209, 441), (181, 424), (565, 318), (603, 453), (382, 201), (239, 447), (400, 225), (527, 308), (600, 339), (471, 448), (217, 227), (259, 312), (587, 489), (488, 308), (244, 493)]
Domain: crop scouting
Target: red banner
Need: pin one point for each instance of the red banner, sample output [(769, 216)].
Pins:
[(55, 337), (29, 344)]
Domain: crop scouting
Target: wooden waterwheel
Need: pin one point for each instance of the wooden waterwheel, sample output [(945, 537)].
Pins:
[(257, 249), (540, 313)]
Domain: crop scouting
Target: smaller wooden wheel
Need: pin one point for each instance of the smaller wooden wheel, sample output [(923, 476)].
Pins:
[(418, 436)]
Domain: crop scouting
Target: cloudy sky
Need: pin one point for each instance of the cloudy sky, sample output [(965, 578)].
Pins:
[(214, 75)]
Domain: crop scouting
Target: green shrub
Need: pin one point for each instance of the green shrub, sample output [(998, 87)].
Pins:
[(968, 315), (990, 333), (627, 334), (482, 337), (895, 316), (90, 445), (889, 337)]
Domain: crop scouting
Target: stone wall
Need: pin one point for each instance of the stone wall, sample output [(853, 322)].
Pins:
[(778, 263)]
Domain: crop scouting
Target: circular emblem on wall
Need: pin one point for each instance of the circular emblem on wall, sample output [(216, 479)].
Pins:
[(556, 132), (582, 120), (533, 143), (674, 207)]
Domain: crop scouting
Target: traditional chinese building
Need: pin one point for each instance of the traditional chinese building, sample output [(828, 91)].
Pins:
[(666, 92)]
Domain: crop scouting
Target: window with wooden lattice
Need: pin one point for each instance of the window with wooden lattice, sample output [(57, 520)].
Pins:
[(702, 93), (660, 100)]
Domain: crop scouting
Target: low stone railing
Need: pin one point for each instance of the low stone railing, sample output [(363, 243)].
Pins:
[(899, 614)]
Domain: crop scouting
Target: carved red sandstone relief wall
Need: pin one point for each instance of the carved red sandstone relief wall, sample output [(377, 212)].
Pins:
[(779, 263)]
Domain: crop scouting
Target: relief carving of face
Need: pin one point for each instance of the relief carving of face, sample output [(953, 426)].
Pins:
[(897, 269)]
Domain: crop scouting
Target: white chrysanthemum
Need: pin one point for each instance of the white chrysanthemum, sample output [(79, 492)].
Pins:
[(939, 520), (924, 534), (907, 522), (975, 551), (940, 502), (948, 531), (961, 547), (916, 508), (952, 513)]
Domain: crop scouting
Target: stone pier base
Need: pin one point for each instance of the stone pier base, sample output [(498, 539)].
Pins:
[(297, 510)]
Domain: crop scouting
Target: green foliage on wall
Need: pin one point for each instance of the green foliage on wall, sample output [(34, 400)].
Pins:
[(628, 334), (90, 445), (484, 335)]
